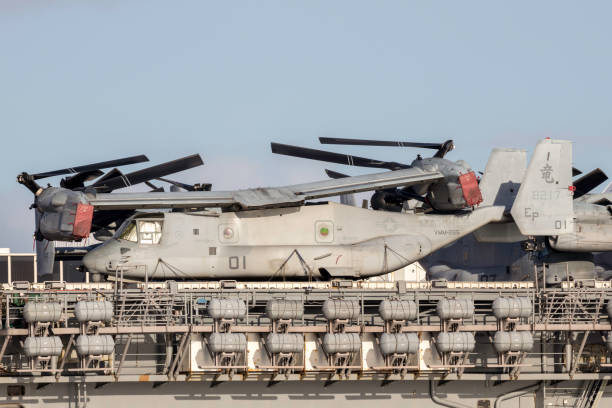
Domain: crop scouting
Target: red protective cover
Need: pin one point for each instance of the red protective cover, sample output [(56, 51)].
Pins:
[(82, 220), (471, 191)]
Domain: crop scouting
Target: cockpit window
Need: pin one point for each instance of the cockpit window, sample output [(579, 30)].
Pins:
[(149, 231), (129, 233)]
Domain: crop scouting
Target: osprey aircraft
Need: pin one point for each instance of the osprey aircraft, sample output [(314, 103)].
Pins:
[(257, 233), (497, 251), (550, 219)]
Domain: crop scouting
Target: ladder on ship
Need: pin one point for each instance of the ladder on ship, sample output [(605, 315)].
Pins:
[(591, 394)]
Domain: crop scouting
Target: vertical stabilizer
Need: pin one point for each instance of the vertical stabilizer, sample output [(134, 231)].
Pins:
[(502, 177), (543, 205)]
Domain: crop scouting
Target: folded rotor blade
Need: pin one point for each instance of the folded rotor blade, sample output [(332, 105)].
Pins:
[(588, 182), (79, 179), (110, 174), (335, 174), (45, 250), (322, 155), (149, 173), (154, 188), (184, 186), (365, 142), (45, 258), (93, 166)]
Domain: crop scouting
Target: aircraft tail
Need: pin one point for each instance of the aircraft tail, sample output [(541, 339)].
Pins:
[(543, 205), (500, 184), (502, 177)]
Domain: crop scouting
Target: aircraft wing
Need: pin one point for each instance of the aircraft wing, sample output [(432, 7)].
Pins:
[(264, 197)]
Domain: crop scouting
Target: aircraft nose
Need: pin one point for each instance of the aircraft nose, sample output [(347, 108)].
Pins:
[(91, 261)]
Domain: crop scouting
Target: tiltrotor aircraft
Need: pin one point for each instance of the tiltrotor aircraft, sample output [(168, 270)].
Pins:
[(516, 257), (255, 233), (498, 253), (262, 234)]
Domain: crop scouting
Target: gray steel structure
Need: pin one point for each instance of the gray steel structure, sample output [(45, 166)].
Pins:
[(161, 354)]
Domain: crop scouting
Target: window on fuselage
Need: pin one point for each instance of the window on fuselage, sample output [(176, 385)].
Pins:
[(130, 233), (149, 231)]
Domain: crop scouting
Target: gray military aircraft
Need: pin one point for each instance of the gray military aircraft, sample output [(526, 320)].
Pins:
[(255, 233), (500, 255), (268, 236), (581, 226)]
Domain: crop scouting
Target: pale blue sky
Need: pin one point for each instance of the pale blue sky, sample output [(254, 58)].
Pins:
[(84, 81)]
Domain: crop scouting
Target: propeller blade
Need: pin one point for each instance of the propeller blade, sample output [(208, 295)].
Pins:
[(365, 142), (45, 258), (442, 148), (575, 172), (335, 174), (154, 188), (184, 186), (79, 179), (588, 182), (149, 173), (93, 166), (331, 157), (110, 174), (45, 250)]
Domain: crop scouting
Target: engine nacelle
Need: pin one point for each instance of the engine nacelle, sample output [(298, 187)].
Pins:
[(458, 190), (64, 215)]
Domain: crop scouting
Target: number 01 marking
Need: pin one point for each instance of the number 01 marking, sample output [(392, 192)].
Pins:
[(560, 224), (234, 262)]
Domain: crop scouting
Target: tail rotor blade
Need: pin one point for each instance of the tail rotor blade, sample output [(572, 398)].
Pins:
[(94, 166)]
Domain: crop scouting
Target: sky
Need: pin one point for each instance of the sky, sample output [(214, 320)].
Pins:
[(87, 81)]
